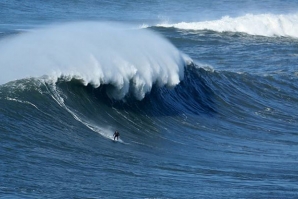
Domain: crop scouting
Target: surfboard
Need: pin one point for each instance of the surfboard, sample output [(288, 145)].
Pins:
[(119, 140)]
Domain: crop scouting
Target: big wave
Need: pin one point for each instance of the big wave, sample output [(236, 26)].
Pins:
[(129, 59), (263, 25)]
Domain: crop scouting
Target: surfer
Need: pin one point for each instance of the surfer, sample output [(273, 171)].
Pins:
[(116, 135)]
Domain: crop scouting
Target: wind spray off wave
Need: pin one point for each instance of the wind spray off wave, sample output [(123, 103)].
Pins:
[(95, 53), (264, 25)]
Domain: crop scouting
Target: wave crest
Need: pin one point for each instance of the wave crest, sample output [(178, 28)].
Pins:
[(264, 25), (96, 53)]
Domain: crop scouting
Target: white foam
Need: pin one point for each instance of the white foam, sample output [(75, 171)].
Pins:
[(22, 101), (263, 24), (96, 53)]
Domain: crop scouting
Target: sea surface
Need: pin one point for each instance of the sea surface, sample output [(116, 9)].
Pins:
[(203, 93)]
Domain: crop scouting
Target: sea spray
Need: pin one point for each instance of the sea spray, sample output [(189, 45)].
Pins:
[(96, 53)]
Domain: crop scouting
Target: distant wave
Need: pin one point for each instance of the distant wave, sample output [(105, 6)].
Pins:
[(263, 25), (130, 59)]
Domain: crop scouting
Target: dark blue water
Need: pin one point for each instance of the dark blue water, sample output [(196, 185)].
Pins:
[(204, 95)]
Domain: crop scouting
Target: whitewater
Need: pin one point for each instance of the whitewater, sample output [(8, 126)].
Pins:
[(204, 95), (96, 53), (263, 24)]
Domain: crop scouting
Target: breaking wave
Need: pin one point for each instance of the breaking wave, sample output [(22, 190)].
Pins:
[(263, 24), (129, 59)]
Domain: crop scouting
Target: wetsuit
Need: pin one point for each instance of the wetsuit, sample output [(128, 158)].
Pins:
[(116, 135)]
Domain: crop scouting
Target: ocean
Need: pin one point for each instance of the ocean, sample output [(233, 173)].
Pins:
[(203, 93)]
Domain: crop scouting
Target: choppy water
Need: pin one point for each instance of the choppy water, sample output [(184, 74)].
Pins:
[(204, 95)]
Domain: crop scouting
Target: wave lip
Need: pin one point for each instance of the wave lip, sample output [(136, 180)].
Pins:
[(264, 25), (96, 53)]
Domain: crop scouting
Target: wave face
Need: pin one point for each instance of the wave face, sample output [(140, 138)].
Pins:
[(263, 24), (97, 54), (208, 116), (202, 113)]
